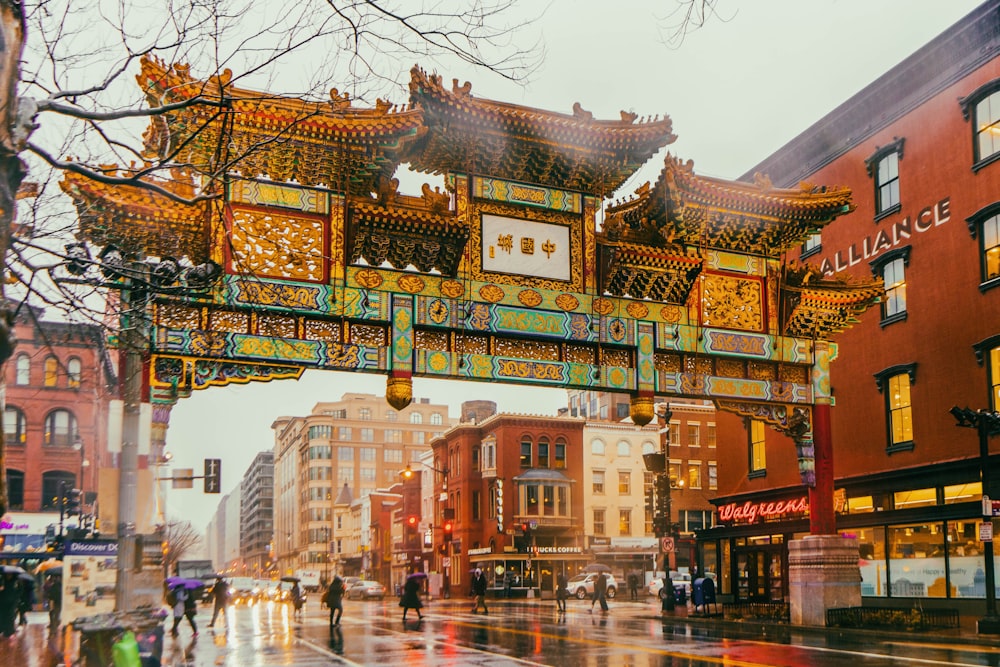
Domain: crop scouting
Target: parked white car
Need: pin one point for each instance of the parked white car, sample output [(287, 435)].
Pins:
[(678, 579), (582, 585)]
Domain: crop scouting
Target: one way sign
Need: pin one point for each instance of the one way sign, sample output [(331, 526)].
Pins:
[(213, 475)]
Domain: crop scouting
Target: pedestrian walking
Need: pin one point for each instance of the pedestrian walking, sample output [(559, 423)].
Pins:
[(10, 601), (633, 586), (297, 600), (600, 592), (52, 592), (220, 599), (562, 591), (178, 597), (27, 601), (411, 597), (479, 591), (334, 599)]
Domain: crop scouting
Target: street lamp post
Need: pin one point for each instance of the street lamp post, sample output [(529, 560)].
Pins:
[(446, 518), (985, 423)]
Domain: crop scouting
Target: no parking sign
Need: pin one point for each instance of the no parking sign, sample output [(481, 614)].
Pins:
[(666, 545)]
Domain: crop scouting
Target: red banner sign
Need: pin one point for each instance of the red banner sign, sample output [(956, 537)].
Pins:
[(750, 512)]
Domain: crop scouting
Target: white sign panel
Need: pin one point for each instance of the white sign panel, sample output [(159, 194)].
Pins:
[(986, 531), (525, 248)]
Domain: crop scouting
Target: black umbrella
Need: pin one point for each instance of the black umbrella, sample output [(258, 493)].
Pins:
[(25, 577), (291, 580)]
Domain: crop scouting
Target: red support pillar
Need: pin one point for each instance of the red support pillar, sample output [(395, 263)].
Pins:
[(821, 516)]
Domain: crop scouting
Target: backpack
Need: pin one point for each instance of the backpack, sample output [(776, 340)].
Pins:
[(171, 597)]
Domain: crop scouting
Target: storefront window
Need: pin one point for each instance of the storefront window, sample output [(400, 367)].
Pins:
[(914, 498), (725, 571), (966, 563), (963, 493), (860, 505), (871, 549), (916, 565)]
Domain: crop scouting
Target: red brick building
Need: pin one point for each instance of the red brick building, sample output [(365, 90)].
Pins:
[(515, 486), (920, 149), (58, 384)]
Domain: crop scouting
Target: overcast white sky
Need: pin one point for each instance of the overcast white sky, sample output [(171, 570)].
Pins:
[(736, 90)]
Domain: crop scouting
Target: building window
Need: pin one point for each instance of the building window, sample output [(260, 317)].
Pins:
[(489, 455), (50, 487), (674, 434), (320, 452), (526, 452), (365, 414), (345, 476), (649, 493), (391, 416), (73, 372), (674, 472), (416, 418), (598, 484), (345, 453), (891, 267), (316, 432), (713, 475), (393, 435), (560, 463), (985, 224), (477, 505), (367, 435), (419, 437), (624, 522), (694, 435), (367, 454), (624, 483), (367, 475), (15, 427), (758, 460), (624, 448), (597, 447), (15, 490), (60, 429), (694, 475), (983, 107), (622, 410), (894, 383), (883, 166), (344, 433), (710, 435), (599, 528), (812, 245), (436, 419), (543, 452), (23, 375), (51, 371)]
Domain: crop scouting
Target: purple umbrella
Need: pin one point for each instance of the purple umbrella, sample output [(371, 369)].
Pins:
[(174, 582), (417, 575)]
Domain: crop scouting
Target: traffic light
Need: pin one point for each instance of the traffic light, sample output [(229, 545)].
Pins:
[(413, 522), (446, 530), (213, 475), (72, 503)]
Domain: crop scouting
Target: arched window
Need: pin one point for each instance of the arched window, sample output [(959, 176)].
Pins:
[(365, 414), (73, 372), (60, 428), (15, 428), (648, 448), (436, 419), (23, 376), (560, 453), (543, 452), (624, 448), (526, 447), (391, 416), (416, 418), (51, 371), (50, 487), (15, 489), (597, 447)]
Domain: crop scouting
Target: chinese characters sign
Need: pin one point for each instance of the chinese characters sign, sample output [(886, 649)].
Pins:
[(523, 247)]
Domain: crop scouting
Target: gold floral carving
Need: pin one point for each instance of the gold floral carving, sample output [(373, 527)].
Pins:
[(410, 283), (580, 354), (759, 370), (369, 335), (368, 278), (323, 330), (178, 317), (732, 303), (469, 344), (698, 365), (278, 244), (277, 325), (430, 340), (227, 320), (567, 302), (667, 363), (616, 358), (637, 310), (452, 289), (527, 349), (529, 297), (795, 374), (603, 306), (491, 293), (729, 368)]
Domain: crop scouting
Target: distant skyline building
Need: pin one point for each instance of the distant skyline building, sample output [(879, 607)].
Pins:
[(257, 514)]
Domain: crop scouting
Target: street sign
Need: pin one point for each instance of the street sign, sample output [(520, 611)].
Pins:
[(213, 475), (986, 531), (183, 478), (990, 507), (446, 561), (666, 545)]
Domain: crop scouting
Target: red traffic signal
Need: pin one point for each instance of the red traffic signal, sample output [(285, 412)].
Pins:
[(412, 521), (447, 529)]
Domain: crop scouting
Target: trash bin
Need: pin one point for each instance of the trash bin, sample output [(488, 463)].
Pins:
[(680, 595)]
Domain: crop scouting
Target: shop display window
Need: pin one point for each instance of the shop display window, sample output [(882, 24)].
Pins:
[(966, 562), (914, 498), (871, 552), (917, 567), (963, 493)]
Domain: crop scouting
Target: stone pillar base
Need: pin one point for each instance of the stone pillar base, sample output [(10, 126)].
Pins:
[(823, 573)]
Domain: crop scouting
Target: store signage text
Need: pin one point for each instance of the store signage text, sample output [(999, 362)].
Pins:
[(884, 239), (750, 512), (480, 551), (559, 550)]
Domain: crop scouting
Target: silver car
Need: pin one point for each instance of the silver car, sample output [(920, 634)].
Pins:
[(582, 585)]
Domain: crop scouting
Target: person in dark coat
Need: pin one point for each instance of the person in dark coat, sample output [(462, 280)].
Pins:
[(633, 586), (562, 592), (27, 597), (190, 609), (411, 597), (600, 592), (220, 597), (10, 602), (297, 600), (334, 599), (479, 590), (52, 590)]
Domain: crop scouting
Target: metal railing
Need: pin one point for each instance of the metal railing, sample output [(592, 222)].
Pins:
[(891, 617), (757, 611)]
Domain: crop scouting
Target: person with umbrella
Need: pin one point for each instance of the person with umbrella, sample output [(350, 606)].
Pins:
[(10, 600), (52, 591), (297, 599), (27, 601), (179, 597), (334, 599), (600, 591), (411, 595), (479, 590)]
